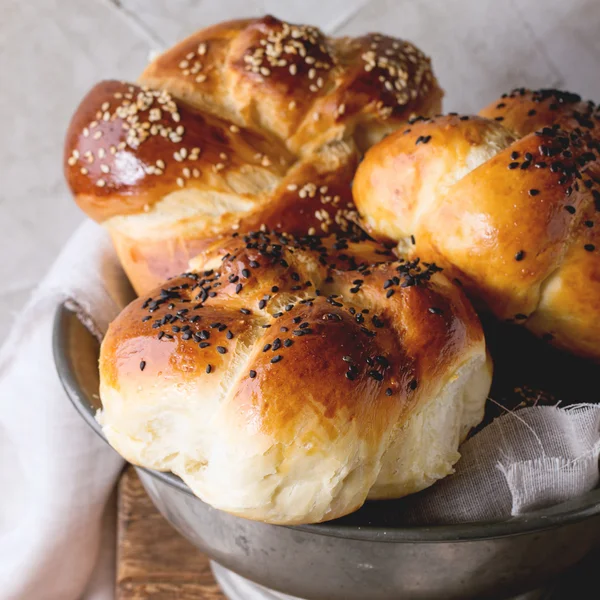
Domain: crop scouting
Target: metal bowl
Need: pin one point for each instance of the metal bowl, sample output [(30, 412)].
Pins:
[(362, 556)]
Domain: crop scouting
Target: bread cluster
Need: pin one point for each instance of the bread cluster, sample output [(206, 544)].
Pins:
[(245, 124), (289, 380), (506, 202), (299, 366)]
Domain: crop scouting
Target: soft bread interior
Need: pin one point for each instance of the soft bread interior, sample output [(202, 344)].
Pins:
[(424, 449), (233, 466)]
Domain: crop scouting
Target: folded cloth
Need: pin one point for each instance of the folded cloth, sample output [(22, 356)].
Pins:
[(57, 476), (532, 458)]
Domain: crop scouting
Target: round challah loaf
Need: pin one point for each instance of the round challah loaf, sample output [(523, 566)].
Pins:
[(247, 123), (287, 380), (506, 202)]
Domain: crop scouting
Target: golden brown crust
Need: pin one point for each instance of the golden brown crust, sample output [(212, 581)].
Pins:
[(127, 147), (285, 380), (296, 83), (524, 111), (328, 321), (235, 128), (516, 226)]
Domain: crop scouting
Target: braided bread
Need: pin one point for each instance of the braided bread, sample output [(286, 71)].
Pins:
[(286, 380), (247, 123), (506, 201)]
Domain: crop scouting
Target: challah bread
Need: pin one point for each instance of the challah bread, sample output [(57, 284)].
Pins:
[(287, 380), (510, 218), (247, 123)]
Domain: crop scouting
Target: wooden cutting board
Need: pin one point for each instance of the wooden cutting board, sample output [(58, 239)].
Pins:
[(153, 560)]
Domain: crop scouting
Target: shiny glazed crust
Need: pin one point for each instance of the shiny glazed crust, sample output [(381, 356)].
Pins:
[(507, 203), (246, 123), (286, 380)]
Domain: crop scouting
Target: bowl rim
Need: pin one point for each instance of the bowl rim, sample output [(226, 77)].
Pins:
[(583, 507)]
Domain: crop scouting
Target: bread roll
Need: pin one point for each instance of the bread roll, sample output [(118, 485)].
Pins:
[(247, 123), (289, 380), (510, 211)]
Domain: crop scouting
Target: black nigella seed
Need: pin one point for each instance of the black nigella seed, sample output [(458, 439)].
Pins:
[(589, 247), (204, 334), (388, 284), (142, 365), (534, 192), (514, 155), (528, 156), (208, 368), (229, 335), (222, 328), (376, 375), (513, 165), (245, 311), (204, 344), (413, 384), (435, 311), (161, 334), (531, 112), (176, 329), (186, 335), (238, 288), (146, 319), (570, 209), (382, 360), (266, 347), (303, 325), (520, 255), (262, 304), (221, 349), (347, 358), (276, 344), (274, 289), (351, 375), (252, 373), (389, 293), (277, 358), (254, 264), (388, 392), (589, 223), (245, 273), (288, 343), (412, 240)]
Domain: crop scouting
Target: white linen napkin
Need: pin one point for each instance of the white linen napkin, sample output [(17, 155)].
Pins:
[(56, 475), (57, 523)]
